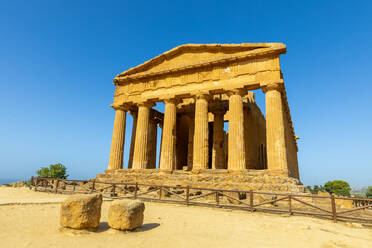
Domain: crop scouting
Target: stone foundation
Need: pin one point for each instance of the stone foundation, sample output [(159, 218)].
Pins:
[(258, 180)]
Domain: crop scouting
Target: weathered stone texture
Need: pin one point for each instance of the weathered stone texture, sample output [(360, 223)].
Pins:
[(81, 211), (202, 87), (126, 214), (260, 180)]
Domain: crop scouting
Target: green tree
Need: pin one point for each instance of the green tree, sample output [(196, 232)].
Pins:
[(54, 171), (359, 195), (338, 187), (369, 192)]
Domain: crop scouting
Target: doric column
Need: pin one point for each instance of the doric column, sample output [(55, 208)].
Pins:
[(200, 158), (161, 139), (218, 153), (140, 158), (275, 136), (236, 157), (117, 143), (133, 138), (151, 144), (190, 144), (168, 147)]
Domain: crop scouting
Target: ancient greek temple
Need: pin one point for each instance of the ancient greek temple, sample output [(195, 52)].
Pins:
[(203, 86)]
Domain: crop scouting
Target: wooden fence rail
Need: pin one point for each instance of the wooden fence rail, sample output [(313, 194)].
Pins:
[(250, 200)]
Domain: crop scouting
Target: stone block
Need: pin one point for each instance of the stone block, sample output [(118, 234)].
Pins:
[(81, 211), (126, 214)]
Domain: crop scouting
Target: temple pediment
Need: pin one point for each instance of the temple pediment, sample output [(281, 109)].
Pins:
[(193, 56)]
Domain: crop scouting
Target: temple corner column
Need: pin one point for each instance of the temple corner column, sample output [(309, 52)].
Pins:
[(118, 139), (275, 132)]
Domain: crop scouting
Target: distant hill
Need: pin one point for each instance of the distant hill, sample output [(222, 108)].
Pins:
[(359, 190), (8, 180)]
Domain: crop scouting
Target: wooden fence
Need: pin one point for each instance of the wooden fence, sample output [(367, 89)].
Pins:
[(330, 207)]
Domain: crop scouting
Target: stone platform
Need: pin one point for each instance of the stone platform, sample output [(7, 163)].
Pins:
[(258, 180)]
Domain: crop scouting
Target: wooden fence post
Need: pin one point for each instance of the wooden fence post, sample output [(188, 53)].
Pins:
[(333, 203), (56, 187), (113, 189), (160, 192), (187, 195), (135, 191), (217, 198), (93, 184), (31, 182), (290, 205), (251, 199)]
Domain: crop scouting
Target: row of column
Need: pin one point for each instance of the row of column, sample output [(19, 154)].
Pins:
[(276, 150)]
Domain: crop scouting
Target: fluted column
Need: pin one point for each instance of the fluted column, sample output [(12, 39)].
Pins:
[(168, 147), (275, 136), (218, 153), (151, 144), (200, 158), (190, 144), (133, 139), (140, 158), (117, 143), (236, 157)]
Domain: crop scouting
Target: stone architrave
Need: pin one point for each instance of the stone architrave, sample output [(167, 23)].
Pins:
[(218, 153), (140, 157), (200, 158), (168, 147), (117, 143), (236, 157), (275, 136)]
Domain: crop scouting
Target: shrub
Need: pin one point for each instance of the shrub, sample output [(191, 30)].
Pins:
[(54, 171), (338, 187), (369, 192)]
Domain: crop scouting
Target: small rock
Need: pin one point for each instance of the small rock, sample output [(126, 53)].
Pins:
[(126, 214), (81, 211)]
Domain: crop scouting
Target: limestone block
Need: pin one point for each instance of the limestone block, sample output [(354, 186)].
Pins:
[(343, 203), (81, 211), (126, 214)]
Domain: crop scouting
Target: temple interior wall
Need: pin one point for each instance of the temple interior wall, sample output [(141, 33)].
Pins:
[(290, 142), (255, 137)]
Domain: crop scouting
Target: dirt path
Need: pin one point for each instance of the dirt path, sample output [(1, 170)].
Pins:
[(169, 225)]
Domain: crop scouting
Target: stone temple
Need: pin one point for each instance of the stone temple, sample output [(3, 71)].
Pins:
[(203, 86)]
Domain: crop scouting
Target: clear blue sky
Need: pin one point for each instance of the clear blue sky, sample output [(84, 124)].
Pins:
[(58, 59)]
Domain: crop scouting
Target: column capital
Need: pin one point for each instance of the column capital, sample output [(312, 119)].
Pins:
[(204, 96), (174, 100), (279, 86), (120, 107), (146, 104), (133, 112), (241, 92)]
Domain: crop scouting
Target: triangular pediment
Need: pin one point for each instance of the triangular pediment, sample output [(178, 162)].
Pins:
[(192, 55)]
